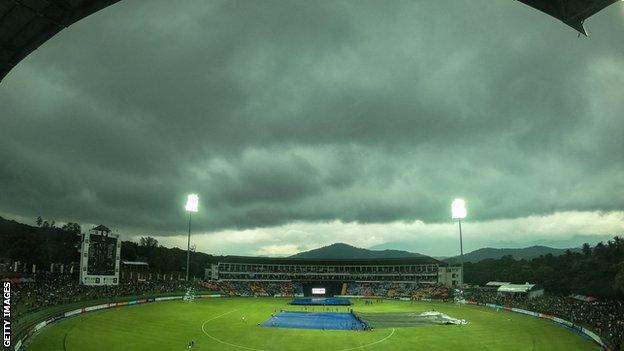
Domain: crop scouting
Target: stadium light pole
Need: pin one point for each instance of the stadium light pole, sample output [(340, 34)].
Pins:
[(192, 203), (458, 211)]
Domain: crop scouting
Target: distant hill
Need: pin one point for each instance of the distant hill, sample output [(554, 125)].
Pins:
[(341, 250), (526, 253)]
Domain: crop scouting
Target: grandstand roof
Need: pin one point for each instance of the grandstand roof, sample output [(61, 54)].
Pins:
[(571, 12), (101, 228), (329, 262), (26, 25), (494, 283), (516, 288)]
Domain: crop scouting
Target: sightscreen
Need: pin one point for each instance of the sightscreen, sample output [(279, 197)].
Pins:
[(318, 291), (331, 288)]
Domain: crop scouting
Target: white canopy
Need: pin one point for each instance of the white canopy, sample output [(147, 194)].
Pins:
[(497, 283), (516, 288)]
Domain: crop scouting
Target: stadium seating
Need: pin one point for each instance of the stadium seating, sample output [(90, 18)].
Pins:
[(605, 317), (44, 290), (38, 291), (399, 290)]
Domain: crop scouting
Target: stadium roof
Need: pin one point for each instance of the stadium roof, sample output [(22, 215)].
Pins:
[(27, 24), (497, 283), (101, 228), (516, 288), (329, 262), (571, 12)]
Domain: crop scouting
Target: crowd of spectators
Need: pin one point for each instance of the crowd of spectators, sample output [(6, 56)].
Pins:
[(43, 290), (255, 288), (366, 289), (399, 290), (604, 317), (38, 291)]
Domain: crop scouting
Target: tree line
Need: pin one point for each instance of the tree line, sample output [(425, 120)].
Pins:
[(46, 243), (162, 259), (595, 271)]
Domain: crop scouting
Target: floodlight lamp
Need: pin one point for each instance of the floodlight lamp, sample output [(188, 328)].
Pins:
[(192, 203), (458, 209)]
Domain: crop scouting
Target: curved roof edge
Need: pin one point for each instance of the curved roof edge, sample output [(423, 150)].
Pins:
[(27, 24), (571, 12)]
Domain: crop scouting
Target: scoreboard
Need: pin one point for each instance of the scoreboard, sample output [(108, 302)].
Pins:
[(99, 257)]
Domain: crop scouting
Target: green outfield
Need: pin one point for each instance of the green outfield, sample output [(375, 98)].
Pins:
[(218, 324)]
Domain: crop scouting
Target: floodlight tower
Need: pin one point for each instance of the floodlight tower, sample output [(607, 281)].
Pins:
[(458, 211), (192, 203)]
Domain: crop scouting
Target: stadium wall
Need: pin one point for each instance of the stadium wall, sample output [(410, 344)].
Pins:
[(557, 320), (38, 325)]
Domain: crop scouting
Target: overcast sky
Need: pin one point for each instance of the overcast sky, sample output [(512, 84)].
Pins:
[(303, 123)]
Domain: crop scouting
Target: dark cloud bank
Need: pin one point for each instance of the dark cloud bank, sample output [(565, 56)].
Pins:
[(363, 111)]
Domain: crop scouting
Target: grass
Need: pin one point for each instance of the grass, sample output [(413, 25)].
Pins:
[(28, 318), (26, 321), (170, 326)]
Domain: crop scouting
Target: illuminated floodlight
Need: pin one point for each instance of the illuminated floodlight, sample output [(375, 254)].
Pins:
[(458, 209), (192, 203)]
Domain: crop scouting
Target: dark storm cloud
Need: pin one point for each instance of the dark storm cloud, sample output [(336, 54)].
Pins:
[(314, 111)]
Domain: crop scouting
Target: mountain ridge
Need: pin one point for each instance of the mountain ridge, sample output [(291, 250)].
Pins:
[(346, 251), (526, 253)]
